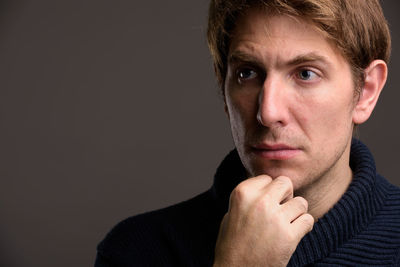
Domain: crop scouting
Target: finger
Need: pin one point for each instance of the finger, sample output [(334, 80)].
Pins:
[(258, 182), (280, 189), (294, 208), (248, 190), (302, 225)]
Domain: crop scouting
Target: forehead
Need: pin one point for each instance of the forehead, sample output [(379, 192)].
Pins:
[(279, 38)]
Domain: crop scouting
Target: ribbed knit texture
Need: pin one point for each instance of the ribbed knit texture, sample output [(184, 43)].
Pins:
[(362, 229)]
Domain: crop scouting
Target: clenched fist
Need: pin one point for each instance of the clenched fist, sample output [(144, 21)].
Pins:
[(263, 225)]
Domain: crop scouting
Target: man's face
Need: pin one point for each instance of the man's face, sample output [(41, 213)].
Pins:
[(289, 96)]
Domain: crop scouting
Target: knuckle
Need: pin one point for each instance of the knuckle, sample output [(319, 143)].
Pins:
[(263, 204), (302, 202), (265, 200), (284, 181), (309, 221), (267, 178), (241, 187), (239, 192), (236, 195), (267, 208)]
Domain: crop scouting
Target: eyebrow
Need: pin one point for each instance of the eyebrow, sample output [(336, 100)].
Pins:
[(308, 57), (239, 56)]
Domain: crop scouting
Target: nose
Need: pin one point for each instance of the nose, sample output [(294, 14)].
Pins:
[(272, 103)]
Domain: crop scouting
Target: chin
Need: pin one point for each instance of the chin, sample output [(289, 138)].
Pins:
[(272, 168), (299, 180)]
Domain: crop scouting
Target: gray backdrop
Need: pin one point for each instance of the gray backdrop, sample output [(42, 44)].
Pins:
[(110, 108)]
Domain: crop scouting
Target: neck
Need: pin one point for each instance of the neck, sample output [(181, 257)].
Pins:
[(323, 199), (327, 191)]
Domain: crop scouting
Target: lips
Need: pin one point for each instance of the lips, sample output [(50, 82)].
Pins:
[(275, 151)]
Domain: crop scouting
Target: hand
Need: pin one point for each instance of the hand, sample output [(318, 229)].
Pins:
[(263, 225)]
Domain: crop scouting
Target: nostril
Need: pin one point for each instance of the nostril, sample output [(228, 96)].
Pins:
[(271, 114), (272, 102), (259, 119)]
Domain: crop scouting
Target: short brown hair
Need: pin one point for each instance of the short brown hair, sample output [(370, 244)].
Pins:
[(358, 28)]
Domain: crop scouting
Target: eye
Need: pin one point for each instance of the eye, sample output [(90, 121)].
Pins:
[(307, 75), (245, 74)]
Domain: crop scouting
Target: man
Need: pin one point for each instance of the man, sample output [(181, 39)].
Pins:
[(297, 76)]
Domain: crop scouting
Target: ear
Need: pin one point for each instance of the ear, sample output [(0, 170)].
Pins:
[(375, 79)]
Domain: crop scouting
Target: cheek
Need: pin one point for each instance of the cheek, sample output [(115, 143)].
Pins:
[(237, 118), (242, 108), (327, 117)]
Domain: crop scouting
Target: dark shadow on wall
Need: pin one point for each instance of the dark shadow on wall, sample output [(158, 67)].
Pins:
[(9, 10), (8, 251)]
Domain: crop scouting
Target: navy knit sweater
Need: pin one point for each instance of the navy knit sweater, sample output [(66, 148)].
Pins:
[(362, 229)]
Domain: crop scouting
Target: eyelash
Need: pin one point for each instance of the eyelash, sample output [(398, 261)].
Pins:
[(254, 72), (258, 75), (316, 75)]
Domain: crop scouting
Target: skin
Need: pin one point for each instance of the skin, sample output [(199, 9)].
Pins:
[(289, 96)]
